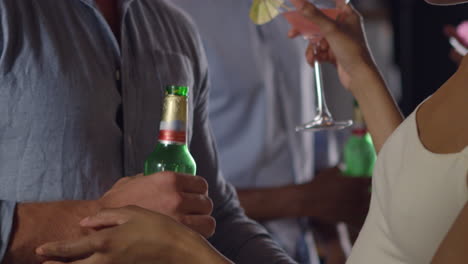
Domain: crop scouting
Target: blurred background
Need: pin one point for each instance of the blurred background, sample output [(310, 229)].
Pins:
[(408, 35), (409, 45)]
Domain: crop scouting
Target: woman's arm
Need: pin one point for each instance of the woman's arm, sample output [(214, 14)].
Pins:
[(133, 235), (454, 248), (377, 105)]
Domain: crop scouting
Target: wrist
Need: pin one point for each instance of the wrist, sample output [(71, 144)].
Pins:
[(295, 200), (305, 198), (38, 223), (365, 76), (192, 248), (265, 204)]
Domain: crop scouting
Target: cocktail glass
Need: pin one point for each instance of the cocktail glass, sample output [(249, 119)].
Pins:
[(265, 10)]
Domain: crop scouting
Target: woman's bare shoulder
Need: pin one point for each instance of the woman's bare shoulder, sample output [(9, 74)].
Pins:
[(443, 119)]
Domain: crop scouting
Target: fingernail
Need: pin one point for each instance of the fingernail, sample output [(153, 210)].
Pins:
[(39, 251), (84, 221)]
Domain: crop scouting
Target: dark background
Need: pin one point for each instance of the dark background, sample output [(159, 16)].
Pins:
[(421, 48)]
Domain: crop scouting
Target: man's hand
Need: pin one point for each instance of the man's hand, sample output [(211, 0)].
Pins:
[(332, 197), (133, 235), (182, 197), (329, 242)]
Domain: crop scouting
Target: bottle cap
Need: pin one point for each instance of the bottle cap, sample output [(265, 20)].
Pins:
[(177, 90)]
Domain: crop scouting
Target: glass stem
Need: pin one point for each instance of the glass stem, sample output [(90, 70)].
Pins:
[(321, 103)]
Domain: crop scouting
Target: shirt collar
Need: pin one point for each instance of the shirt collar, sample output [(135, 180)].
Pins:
[(123, 3)]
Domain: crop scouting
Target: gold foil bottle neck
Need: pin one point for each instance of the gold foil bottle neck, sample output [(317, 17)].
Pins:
[(175, 108), (358, 118)]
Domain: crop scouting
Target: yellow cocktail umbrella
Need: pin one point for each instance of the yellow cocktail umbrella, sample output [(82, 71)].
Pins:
[(263, 11)]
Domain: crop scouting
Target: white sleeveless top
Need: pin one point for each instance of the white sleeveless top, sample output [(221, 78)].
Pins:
[(416, 197)]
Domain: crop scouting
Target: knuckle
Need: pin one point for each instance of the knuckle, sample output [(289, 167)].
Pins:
[(123, 180), (309, 11), (176, 201), (171, 178), (101, 244), (312, 11), (210, 204), (210, 226), (160, 177), (330, 27), (180, 218), (186, 220), (62, 249), (212, 223), (203, 183)]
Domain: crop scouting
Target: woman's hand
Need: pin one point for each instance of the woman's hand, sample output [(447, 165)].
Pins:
[(455, 55), (344, 43), (133, 235)]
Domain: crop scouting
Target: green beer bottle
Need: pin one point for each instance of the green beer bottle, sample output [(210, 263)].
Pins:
[(359, 152), (171, 152)]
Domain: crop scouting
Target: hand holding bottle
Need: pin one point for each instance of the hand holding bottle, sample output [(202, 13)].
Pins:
[(182, 197), (341, 198), (168, 186)]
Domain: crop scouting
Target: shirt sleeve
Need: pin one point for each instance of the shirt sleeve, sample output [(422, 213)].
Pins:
[(237, 237), (7, 213)]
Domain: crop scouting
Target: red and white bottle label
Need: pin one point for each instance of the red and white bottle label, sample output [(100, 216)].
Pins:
[(173, 132), (168, 136)]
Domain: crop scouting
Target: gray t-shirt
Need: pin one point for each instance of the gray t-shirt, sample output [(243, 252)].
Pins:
[(80, 109)]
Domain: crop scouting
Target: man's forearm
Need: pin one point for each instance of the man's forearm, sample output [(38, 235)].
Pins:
[(37, 223), (264, 204)]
